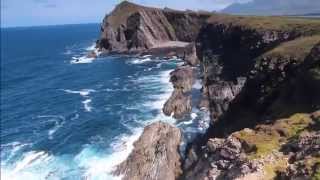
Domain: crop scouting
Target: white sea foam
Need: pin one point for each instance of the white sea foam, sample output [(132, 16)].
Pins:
[(100, 166), (13, 148), (29, 167), (92, 47), (82, 60), (54, 129), (193, 115), (85, 59), (82, 92), (140, 61), (197, 84), (147, 56), (86, 104), (57, 120)]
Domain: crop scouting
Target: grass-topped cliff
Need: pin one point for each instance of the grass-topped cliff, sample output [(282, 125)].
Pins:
[(269, 23)]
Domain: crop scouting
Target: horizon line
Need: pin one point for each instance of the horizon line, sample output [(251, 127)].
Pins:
[(46, 25)]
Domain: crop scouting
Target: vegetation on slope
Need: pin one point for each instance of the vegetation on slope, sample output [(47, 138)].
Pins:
[(270, 23)]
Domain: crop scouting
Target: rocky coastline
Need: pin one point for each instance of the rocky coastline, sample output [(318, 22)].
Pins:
[(260, 83)]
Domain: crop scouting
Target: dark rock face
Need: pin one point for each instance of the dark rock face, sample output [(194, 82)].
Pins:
[(132, 27), (228, 53), (180, 101), (276, 87), (221, 94), (223, 159), (155, 155)]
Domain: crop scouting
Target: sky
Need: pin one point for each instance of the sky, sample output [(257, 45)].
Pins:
[(52, 12)]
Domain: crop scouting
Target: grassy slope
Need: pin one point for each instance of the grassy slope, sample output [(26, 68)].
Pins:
[(266, 140), (298, 48), (275, 23)]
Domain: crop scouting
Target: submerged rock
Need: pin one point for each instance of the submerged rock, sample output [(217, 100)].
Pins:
[(155, 155)]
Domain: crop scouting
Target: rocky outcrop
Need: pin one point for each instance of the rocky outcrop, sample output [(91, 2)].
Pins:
[(224, 159), (304, 160), (155, 155), (180, 101), (182, 78), (304, 153), (133, 28), (190, 55)]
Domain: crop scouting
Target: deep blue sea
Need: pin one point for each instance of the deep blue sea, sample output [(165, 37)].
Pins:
[(67, 119)]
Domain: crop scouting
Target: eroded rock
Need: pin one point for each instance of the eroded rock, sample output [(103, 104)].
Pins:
[(178, 104), (155, 155), (223, 159)]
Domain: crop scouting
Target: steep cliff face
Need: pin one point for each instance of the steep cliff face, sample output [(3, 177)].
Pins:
[(266, 118), (282, 82), (228, 47), (132, 28)]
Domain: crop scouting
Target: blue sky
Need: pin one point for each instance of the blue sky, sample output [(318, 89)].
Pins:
[(51, 12)]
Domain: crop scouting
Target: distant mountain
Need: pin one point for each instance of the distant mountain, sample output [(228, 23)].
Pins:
[(275, 7)]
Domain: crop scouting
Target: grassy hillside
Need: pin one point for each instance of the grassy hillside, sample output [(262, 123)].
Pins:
[(275, 23)]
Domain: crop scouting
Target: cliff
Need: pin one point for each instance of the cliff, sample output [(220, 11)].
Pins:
[(260, 83), (133, 28)]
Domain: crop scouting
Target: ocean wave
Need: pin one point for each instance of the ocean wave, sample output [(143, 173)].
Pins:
[(11, 150), (85, 59), (99, 167), (25, 167)]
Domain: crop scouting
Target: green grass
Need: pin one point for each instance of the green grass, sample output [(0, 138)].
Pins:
[(263, 143), (269, 138), (271, 169), (298, 48), (317, 173), (276, 23)]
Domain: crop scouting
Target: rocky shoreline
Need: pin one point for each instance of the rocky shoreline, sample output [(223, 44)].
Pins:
[(260, 82)]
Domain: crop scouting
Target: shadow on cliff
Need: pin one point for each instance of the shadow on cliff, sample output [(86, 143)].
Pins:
[(262, 100)]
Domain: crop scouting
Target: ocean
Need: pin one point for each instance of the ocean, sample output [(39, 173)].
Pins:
[(68, 119)]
